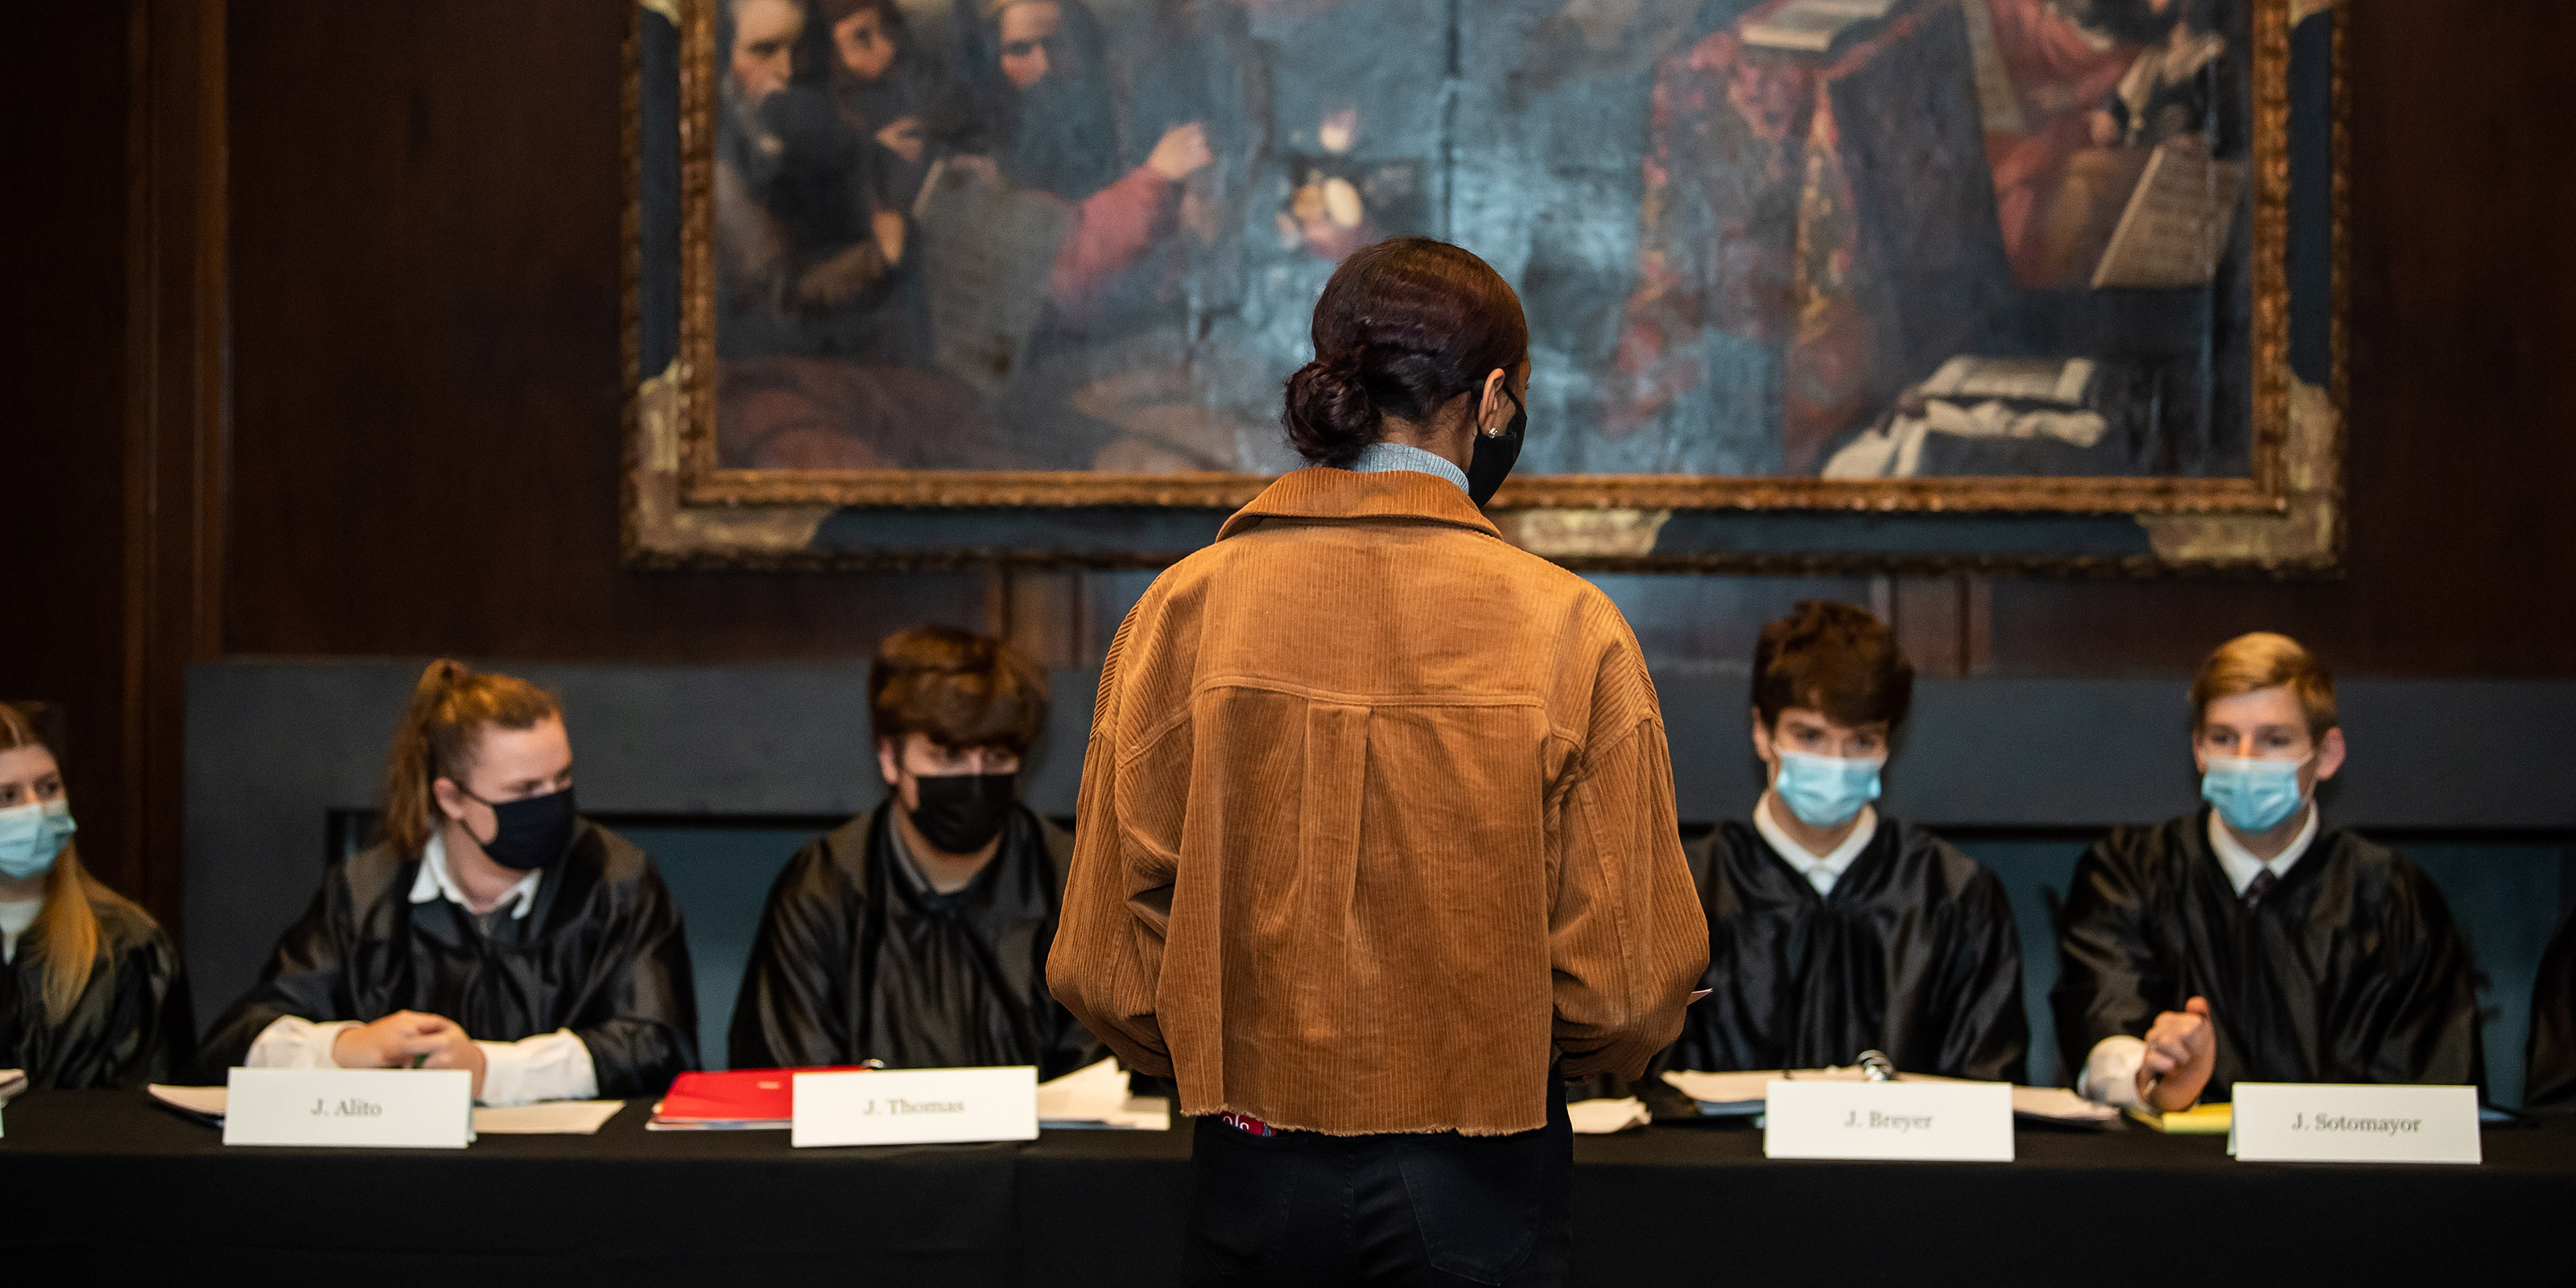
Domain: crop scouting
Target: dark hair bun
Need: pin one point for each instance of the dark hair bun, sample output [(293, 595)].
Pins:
[(1329, 415), (1404, 327)]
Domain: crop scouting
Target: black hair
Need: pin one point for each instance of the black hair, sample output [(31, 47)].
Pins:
[(1404, 326)]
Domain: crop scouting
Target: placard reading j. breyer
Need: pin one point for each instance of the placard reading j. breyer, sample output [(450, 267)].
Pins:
[(916, 1106), (414, 1108), (2297, 1122), (1956, 1121)]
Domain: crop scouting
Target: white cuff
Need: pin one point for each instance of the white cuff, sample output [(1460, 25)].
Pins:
[(549, 1066), (291, 1042), (2110, 1074)]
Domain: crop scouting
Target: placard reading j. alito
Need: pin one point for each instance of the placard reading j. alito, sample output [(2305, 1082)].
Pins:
[(2298, 1122), (1956, 1121), (402, 1108), (916, 1106)]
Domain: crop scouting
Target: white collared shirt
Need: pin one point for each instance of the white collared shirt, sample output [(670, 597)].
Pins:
[(549, 1066), (2241, 865), (16, 916), (436, 882), (1381, 457), (2111, 1070), (1820, 870)]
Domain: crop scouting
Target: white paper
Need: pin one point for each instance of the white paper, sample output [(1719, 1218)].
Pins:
[(196, 1100), (1835, 1118), (547, 1118), (379, 1108), (2293, 1122), (1725, 1092), (1096, 1096), (2060, 1105), (1606, 1117), (916, 1106)]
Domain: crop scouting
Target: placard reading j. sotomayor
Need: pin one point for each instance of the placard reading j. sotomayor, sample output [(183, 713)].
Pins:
[(2296, 1122), (916, 1106)]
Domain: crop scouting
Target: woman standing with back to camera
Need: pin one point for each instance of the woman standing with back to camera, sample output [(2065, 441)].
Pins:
[(1376, 841)]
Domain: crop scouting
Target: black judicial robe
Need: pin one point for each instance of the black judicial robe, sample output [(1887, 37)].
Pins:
[(601, 953), (132, 1025), (2550, 1082), (2350, 970), (858, 961), (1913, 954)]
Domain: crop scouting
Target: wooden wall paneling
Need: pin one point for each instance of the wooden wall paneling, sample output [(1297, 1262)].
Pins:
[(64, 73), (175, 419)]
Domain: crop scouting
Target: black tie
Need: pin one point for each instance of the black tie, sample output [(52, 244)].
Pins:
[(2260, 886)]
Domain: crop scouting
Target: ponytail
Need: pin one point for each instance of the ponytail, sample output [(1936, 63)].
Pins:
[(449, 709)]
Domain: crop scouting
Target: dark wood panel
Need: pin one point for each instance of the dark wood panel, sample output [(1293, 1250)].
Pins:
[(426, 371), (2463, 544), (63, 83)]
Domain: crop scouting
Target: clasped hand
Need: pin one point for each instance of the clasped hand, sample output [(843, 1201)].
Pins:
[(409, 1039), (2182, 1047)]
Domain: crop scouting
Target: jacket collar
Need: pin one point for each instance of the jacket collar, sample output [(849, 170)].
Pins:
[(1324, 493)]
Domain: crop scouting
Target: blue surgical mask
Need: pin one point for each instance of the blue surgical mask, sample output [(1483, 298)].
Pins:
[(31, 836), (2253, 795), (1826, 791)]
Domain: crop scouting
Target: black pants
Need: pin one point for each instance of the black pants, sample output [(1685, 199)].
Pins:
[(1306, 1209)]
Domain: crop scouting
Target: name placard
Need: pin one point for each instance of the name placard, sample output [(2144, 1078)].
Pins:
[(916, 1106), (379, 1108), (2299, 1122), (1953, 1121)]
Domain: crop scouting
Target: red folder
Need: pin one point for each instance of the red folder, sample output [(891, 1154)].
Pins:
[(737, 1095)]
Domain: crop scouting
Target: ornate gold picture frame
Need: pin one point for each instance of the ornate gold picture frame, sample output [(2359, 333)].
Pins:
[(2265, 494)]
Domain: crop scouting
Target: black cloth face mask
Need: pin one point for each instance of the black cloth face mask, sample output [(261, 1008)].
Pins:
[(962, 813), (1493, 458), (532, 832)]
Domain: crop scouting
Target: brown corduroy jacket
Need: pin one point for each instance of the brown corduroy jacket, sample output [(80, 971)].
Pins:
[(1376, 823)]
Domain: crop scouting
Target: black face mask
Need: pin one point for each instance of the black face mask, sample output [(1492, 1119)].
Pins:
[(534, 832), (1492, 461), (962, 813)]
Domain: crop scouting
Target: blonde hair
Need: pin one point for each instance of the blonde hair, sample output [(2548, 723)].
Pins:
[(450, 708), (2262, 660), (66, 932)]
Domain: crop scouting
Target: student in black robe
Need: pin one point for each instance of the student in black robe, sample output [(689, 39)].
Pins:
[(90, 990), (917, 933), (2245, 942), (1833, 930), (493, 930), (2550, 1082)]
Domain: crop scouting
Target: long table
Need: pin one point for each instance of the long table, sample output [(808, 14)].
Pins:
[(107, 1186)]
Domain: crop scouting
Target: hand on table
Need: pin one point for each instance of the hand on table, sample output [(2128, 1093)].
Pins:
[(2182, 1047), (405, 1037)]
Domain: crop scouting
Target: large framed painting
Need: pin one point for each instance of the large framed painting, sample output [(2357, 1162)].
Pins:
[(1893, 285)]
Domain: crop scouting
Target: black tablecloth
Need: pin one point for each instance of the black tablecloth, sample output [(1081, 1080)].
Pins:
[(109, 1187)]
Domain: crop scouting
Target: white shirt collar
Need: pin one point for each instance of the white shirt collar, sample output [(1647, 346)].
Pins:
[(435, 882), (1382, 456), (1821, 871), (2240, 863)]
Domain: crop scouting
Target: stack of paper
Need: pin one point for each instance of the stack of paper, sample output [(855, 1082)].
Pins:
[(1096, 1096), (547, 1118), (1744, 1093), (1607, 1117)]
